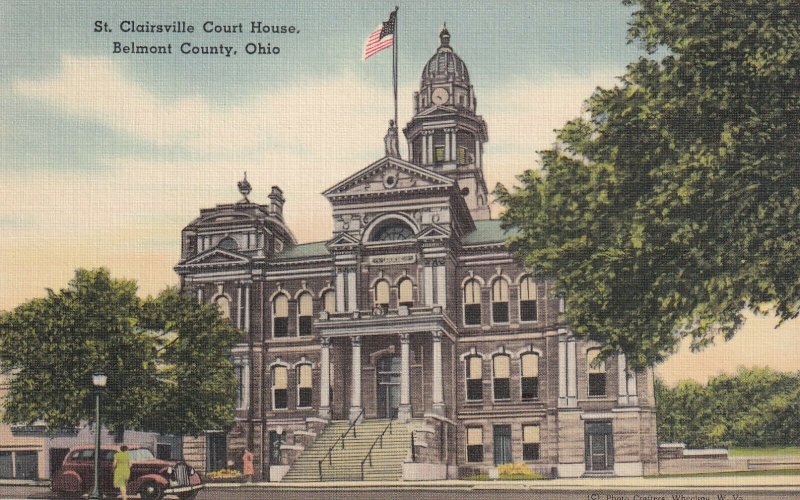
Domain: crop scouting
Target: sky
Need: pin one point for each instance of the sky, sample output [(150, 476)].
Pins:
[(106, 156)]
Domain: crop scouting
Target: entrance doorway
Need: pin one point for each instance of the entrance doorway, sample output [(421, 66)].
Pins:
[(57, 456), (217, 451), (388, 380), (502, 444), (599, 447)]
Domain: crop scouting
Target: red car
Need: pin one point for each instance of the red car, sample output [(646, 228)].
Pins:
[(151, 478)]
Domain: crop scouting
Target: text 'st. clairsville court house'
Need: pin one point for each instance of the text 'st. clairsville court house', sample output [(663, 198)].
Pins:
[(413, 320)]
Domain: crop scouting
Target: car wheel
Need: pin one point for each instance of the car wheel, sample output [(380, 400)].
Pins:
[(151, 491)]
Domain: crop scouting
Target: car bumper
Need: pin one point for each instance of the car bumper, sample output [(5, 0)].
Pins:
[(183, 489)]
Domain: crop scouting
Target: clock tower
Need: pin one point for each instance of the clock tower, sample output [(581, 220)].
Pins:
[(445, 134)]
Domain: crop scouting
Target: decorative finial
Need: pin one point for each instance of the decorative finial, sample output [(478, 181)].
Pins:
[(244, 188), (444, 36)]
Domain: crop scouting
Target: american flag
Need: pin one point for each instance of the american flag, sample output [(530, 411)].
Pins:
[(381, 38)]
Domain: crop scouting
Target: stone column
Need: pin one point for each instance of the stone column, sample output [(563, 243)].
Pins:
[(437, 399), (324, 378), (447, 142), (404, 411), (355, 385)]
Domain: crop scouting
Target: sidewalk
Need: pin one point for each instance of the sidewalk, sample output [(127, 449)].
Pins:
[(781, 483)]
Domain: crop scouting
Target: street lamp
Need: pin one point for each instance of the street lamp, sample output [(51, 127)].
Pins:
[(99, 380)]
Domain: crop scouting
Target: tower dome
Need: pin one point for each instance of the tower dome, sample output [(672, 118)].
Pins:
[(445, 65)]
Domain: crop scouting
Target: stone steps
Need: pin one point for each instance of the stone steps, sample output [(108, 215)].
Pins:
[(344, 464)]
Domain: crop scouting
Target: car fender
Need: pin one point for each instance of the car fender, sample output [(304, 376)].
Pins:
[(68, 481), (133, 486)]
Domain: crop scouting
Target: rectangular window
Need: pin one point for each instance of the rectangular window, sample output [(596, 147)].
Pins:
[(462, 155), (305, 325), (472, 314), (502, 376), (597, 384), (239, 372), (527, 310), (530, 442), (279, 386), (597, 373), (438, 153), (6, 465), (500, 312), (530, 376), (304, 386), (474, 379), (474, 444), (281, 327), (27, 465)]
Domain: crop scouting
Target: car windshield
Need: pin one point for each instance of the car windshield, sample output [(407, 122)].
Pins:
[(89, 454), (141, 455)]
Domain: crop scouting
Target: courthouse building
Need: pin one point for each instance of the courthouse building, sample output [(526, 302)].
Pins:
[(411, 343)]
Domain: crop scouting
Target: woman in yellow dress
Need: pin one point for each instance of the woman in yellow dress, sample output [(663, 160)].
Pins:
[(122, 470)]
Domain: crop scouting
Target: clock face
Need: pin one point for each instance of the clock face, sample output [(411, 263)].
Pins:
[(440, 96)]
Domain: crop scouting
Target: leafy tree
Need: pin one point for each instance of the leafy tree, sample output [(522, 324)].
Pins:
[(674, 204), (167, 358), (753, 408)]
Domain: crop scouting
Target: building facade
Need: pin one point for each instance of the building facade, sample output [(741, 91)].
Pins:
[(413, 310)]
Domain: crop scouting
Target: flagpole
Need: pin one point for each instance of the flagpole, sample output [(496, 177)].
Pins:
[(394, 63)]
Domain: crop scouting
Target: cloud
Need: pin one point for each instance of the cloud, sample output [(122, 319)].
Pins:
[(304, 138), (314, 117)]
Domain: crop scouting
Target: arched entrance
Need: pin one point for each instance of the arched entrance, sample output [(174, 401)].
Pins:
[(388, 382)]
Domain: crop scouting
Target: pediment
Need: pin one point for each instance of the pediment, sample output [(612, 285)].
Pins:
[(344, 240), (434, 232), (217, 257), (438, 110), (389, 175)]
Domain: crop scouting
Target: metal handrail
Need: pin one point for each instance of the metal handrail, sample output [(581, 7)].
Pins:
[(340, 438), (369, 453)]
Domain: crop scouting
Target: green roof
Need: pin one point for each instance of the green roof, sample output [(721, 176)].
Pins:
[(488, 231), (305, 250)]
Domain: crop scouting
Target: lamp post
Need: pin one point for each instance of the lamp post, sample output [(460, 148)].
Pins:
[(99, 380)]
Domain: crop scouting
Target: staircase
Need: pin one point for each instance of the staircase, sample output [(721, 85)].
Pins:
[(345, 464)]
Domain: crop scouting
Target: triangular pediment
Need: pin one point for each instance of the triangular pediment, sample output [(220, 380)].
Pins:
[(217, 257), (344, 240), (437, 110), (434, 232), (389, 175)]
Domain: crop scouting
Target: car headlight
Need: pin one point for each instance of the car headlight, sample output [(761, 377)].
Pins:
[(169, 470), (191, 471)]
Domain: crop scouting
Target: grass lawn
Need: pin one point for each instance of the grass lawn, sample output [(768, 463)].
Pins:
[(774, 472), (760, 452)]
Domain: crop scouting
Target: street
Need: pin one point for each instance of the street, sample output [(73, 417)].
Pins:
[(242, 493)]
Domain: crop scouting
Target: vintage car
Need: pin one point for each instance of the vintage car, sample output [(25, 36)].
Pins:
[(151, 478)]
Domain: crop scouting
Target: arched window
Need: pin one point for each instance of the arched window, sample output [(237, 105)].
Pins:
[(305, 313), (304, 386), (527, 299), (597, 373), (474, 378), (329, 302), (529, 366), (280, 379), (392, 230), (224, 306), (280, 316), (472, 302), (500, 301), (406, 293), (382, 295), (501, 373), (228, 244)]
